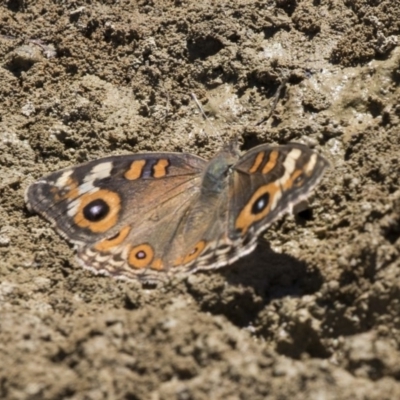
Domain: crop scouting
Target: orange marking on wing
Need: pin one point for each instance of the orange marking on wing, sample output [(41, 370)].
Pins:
[(178, 262), (273, 157), (257, 162), (135, 170), (55, 192), (160, 168), (108, 244), (141, 256), (73, 192), (157, 264), (290, 182), (113, 202), (246, 217), (196, 251)]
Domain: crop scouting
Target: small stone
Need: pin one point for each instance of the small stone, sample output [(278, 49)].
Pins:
[(4, 240), (28, 109)]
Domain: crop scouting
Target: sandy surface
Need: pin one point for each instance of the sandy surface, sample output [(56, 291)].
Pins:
[(314, 313)]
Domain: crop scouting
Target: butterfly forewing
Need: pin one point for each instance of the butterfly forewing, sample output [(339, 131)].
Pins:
[(269, 181), (92, 201)]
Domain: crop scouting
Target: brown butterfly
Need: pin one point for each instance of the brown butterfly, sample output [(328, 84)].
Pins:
[(147, 216)]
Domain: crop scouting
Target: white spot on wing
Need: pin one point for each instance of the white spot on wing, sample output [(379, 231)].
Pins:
[(62, 181), (99, 171), (290, 165), (87, 187), (277, 196), (73, 208), (311, 164)]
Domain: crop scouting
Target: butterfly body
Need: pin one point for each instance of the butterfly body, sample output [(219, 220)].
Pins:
[(148, 216)]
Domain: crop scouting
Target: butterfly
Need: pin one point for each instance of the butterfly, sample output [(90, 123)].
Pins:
[(149, 216)]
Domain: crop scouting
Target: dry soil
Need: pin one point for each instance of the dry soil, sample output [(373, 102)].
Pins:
[(314, 312)]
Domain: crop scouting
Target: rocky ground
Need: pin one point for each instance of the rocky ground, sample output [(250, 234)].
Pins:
[(314, 312)]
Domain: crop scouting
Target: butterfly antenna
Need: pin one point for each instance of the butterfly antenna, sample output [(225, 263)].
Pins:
[(200, 107)]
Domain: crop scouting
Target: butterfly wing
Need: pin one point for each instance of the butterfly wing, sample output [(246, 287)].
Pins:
[(104, 206), (266, 183)]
